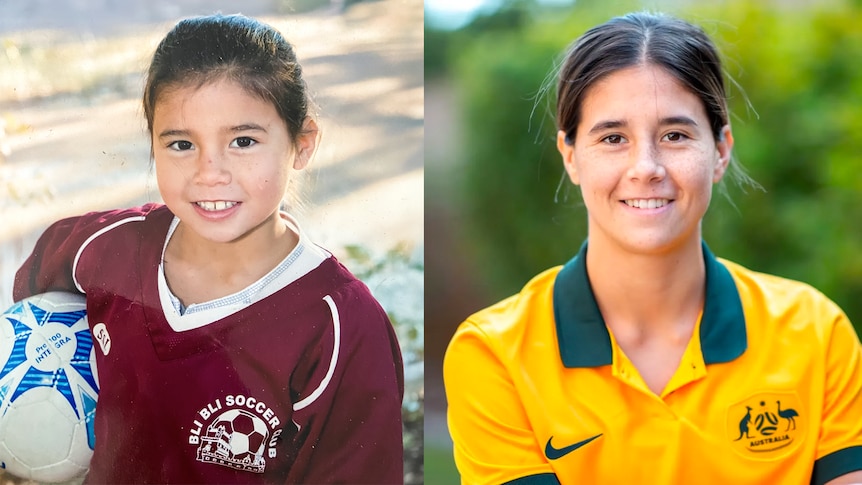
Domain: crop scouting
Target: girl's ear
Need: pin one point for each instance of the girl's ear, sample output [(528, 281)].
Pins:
[(724, 148), (567, 150), (306, 143)]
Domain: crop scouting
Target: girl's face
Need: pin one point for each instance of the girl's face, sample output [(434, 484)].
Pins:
[(646, 159), (223, 159)]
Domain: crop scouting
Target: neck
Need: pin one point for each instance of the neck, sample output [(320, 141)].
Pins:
[(648, 295), (259, 250)]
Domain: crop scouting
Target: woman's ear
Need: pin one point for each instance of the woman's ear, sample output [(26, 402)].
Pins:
[(724, 149), (566, 148), (306, 143)]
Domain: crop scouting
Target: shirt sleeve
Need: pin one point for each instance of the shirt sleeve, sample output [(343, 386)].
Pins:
[(493, 440), (51, 265), (352, 431), (840, 446)]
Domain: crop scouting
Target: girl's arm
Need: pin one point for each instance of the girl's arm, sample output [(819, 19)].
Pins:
[(354, 424)]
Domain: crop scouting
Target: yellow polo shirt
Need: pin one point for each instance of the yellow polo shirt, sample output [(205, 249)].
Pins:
[(768, 391)]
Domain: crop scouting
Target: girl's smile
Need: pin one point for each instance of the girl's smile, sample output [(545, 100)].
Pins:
[(216, 211), (217, 206)]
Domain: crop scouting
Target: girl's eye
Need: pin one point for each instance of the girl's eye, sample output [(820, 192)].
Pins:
[(613, 139), (242, 142), (181, 145), (675, 136)]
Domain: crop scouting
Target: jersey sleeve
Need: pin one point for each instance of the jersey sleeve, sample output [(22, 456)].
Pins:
[(51, 265), (840, 447), (492, 436), (354, 432)]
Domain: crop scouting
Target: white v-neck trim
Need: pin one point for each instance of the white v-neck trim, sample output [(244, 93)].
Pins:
[(302, 259)]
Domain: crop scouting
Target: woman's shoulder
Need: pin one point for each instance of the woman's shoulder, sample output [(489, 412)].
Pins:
[(765, 285), (520, 313), (782, 299)]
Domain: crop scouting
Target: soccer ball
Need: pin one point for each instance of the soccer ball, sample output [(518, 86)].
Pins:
[(48, 388)]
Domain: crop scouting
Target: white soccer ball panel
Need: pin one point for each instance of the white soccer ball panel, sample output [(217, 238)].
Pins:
[(12, 465), (7, 339), (60, 472), (51, 347), (80, 453), (38, 413)]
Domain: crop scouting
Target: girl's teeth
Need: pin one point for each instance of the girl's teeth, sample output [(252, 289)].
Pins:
[(215, 206)]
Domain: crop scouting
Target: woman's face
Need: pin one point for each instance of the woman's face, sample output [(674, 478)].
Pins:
[(646, 159)]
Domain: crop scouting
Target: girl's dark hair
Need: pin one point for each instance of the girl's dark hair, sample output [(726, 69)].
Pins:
[(253, 54), (682, 49)]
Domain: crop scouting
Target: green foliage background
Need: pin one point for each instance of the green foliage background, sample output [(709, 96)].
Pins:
[(797, 127)]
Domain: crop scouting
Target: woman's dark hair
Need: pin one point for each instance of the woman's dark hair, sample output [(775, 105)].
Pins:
[(243, 50), (682, 49), (678, 47)]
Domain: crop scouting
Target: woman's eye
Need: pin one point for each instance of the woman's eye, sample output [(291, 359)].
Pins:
[(181, 145), (242, 142), (613, 139), (675, 136)]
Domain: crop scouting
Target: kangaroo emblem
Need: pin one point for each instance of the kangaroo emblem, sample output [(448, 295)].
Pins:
[(743, 425), (788, 414)]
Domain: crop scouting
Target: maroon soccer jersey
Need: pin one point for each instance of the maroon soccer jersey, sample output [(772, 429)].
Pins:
[(302, 386)]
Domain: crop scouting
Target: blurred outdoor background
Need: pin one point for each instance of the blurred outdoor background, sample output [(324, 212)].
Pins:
[(494, 211), (72, 135)]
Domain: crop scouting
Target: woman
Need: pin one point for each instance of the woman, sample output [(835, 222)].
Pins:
[(645, 359)]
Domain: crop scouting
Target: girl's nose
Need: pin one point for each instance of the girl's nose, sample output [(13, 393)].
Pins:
[(212, 169)]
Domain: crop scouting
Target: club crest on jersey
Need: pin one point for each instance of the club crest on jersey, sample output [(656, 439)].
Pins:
[(767, 424), (236, 431)]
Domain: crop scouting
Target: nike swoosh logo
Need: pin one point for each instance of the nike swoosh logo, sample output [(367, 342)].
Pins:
[(556, 453)]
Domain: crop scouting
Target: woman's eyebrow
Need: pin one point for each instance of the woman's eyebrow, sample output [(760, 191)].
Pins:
[(607, 125), (678, 120)]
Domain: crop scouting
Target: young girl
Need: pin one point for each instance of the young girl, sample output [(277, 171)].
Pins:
[(645, 359), (230, 348)]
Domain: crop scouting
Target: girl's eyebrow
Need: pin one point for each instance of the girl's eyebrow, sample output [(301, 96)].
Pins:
[(233, 129), (173, 133), (248, 127)]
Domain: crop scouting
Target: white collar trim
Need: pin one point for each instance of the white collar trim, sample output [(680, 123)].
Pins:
[(305, 257)]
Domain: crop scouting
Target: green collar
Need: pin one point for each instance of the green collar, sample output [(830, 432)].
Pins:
[(584, 339)]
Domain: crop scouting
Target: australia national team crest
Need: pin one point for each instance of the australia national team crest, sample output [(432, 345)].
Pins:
[(237, 432), (766, 425)]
